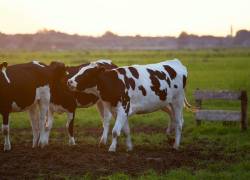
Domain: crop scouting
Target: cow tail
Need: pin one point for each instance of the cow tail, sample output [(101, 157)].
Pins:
[(189, 107)]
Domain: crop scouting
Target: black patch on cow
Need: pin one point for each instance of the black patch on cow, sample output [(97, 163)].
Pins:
[(143, 90), (129, 82), (184, 81), (172, 73), (134, 72), (155, 75), (175, 86)]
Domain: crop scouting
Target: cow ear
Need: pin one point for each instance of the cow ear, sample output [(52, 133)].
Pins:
[(3, 65)]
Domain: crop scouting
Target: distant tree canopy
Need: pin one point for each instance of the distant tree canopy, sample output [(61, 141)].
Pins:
[(242, 37), (109, 34), (46, 39)]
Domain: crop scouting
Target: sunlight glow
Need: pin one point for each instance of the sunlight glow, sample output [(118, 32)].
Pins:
[(125, 17)]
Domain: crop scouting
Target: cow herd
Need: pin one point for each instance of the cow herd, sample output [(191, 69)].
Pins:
[(117, 92)]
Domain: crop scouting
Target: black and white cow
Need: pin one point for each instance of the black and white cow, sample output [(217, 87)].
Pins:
[(135, 90), (65, 101), (27, 87)]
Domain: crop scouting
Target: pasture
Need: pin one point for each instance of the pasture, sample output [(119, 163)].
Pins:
[(210, 151)]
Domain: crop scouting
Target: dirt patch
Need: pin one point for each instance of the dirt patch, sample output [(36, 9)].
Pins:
[(61, 159)]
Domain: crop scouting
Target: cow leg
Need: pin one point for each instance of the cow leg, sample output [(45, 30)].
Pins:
[(171, 124), (48, 125), (34, 120), (70, 127), (178, 108), (44, 107), (126, 131), (6, 131), (119, 123), (106, 115)]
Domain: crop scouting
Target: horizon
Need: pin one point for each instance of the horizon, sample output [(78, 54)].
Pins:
[(125, 18), (45, 30)]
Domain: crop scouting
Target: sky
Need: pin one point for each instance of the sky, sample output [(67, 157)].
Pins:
[(125, 17)]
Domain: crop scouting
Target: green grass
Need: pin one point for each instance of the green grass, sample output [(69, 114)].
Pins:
[(207, 69)]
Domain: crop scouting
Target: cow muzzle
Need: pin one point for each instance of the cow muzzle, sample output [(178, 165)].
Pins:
[(72, 84)]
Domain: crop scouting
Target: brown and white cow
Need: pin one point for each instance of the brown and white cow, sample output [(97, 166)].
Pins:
[(27, 87), (65, 101), (135, 90)]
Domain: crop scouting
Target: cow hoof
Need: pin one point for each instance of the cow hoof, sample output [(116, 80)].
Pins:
[(176, 147), (43, 143), (129, 146), (102, 142), (7, 147), (112, 149), (72, 142), (129, 149)]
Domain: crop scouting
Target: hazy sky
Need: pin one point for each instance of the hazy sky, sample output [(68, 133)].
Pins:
[(125, 17)]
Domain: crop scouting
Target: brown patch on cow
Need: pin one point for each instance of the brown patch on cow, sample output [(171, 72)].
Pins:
[(111, 87), (175, 86), (126, 102), (134, 72), (143, 90), (184, 81), (169, 82), (129, 82), (113, 90), (172, 73), (106, 65), (121, 71), (155, 76)]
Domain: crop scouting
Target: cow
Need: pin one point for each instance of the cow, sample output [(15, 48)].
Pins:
[(136, 89), (27, 87), (65, 101)]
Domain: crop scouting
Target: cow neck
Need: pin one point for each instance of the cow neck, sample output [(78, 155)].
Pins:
[(98, 82)]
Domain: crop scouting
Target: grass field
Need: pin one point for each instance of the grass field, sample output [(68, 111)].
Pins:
[(210, 151)]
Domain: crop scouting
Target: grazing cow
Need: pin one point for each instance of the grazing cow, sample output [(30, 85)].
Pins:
[(65, 101), (27, 87), (135, 90)]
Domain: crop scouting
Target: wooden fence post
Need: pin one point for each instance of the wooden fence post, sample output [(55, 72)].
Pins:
[(198, 105), (243, 110)]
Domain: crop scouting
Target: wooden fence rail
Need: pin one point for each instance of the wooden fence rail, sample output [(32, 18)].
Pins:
[(221, 115)]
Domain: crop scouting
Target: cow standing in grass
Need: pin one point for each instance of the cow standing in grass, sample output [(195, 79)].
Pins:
[(27, 87), (65, 101), (135, 90)]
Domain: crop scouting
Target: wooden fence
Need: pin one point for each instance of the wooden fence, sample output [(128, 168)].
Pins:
[(221, 115)]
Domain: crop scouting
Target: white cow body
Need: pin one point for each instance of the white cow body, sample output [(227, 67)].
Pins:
[(137, 89)]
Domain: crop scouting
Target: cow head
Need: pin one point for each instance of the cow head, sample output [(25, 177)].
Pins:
[(86, 78), (58, 70), (3, 66)]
